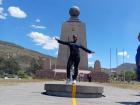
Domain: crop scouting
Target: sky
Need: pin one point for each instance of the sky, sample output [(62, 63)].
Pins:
[(110, 24)]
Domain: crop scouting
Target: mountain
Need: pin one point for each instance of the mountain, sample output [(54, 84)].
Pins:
[(22, 55), (122, 67), (125, 67)]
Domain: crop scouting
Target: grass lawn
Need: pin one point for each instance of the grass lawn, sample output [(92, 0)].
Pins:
[(16, 81), (132, 85)]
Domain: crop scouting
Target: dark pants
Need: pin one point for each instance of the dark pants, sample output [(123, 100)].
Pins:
[(75, 62), (138, 74)]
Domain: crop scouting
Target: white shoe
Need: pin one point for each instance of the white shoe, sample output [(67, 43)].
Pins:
[(74, 81), (68, 81)]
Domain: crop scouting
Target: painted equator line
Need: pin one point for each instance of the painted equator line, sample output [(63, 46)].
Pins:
[(74, 102)]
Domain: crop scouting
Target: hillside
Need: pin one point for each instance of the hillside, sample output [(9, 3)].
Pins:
[(122, 67), (126, 67), (22, 55)]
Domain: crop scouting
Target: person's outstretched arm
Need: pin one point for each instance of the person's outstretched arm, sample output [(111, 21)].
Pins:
[(87, 50), (62, 42)]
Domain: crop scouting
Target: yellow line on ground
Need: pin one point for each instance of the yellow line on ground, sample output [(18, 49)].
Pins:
[(74, 102)]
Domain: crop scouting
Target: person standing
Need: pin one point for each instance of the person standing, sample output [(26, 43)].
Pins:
[(89, 77), (74, 58), (138, 61)]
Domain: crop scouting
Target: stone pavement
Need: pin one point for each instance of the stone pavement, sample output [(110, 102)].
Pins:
[(30, 94)]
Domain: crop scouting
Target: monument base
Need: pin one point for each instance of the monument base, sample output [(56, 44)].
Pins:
[(64, 90)]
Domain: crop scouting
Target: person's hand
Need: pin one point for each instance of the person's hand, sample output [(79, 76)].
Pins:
[(93, 52), (56, 39)]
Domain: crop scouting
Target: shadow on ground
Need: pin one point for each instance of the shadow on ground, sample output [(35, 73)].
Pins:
[(69, 96), (45, 93), (137, 94), (129, 103)]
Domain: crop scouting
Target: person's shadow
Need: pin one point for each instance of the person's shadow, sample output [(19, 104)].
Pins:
[(131, 103)]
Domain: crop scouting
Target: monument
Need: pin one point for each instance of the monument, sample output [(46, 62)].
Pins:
[(98, 75), (97, 65), (73, 26)]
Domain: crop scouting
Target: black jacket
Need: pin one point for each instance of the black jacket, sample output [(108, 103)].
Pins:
[(74, 48)]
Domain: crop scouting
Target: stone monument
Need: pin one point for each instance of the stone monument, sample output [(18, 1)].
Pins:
[(73, 26), (98, 75), (97, 65)]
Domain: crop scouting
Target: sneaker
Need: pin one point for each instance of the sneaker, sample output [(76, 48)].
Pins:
[(74, 81), (68, 81)]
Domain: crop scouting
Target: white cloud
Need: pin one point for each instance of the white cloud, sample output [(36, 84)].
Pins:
[(1, 2), (47, 42), (125, 54), (38, 27), (37, 20), (91, 63), (2, 14), (17, 12), (90, 56)]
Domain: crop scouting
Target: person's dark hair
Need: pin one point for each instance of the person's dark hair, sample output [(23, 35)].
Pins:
[(75, 35)]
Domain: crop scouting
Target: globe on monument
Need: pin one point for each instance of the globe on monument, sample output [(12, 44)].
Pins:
[(74, 11)]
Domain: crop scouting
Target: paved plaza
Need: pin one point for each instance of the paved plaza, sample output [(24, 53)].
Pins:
[(31, 94)]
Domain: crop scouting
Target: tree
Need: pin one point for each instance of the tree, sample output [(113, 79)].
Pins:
[(114, 76), (34, 66), (130, 75), (22, 74), (2, 66), (12, 67), (8, 66)]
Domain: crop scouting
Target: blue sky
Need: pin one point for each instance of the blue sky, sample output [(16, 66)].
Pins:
[(109, 24)]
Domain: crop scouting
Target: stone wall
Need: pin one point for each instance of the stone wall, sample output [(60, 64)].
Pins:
[(45, 74), (99, 76)]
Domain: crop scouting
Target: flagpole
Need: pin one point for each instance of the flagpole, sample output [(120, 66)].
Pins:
[(110, 63), (123, 63)]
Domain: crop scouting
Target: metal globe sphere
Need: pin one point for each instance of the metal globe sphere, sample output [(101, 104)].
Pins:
[(74, 11)]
